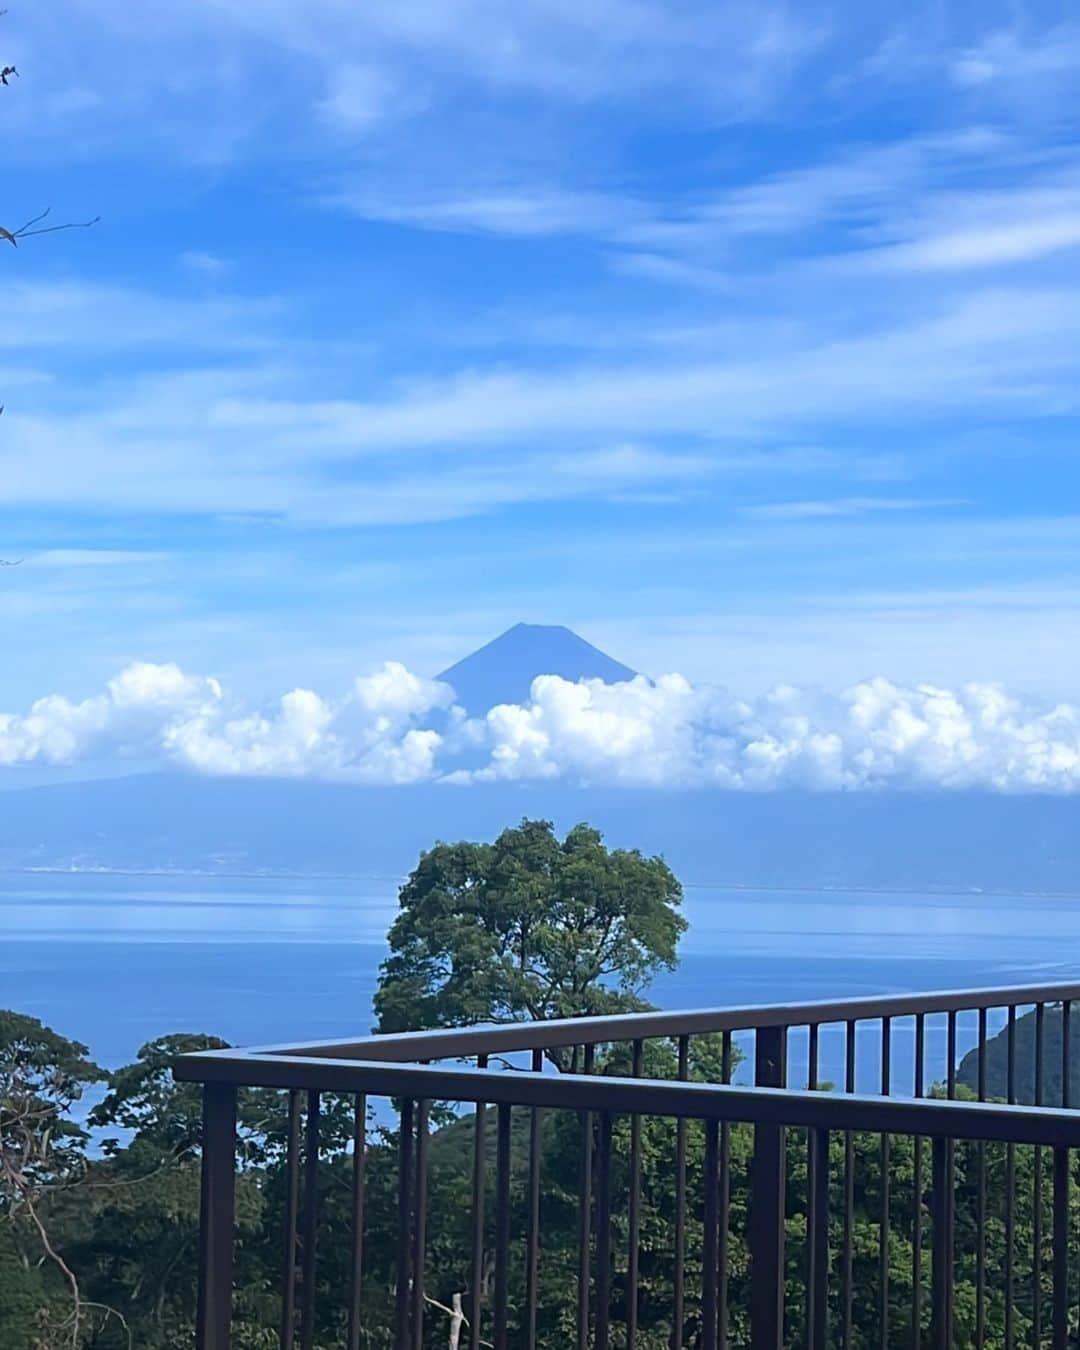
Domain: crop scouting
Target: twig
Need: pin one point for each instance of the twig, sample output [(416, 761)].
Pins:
[(29, 229), (113, 1312)]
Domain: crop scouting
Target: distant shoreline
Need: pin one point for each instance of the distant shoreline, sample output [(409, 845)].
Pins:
[(823, 888)]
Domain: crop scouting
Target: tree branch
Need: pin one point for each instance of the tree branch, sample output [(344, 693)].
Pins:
[(34, 226)]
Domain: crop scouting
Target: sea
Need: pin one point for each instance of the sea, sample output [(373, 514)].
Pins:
[(117, 960)]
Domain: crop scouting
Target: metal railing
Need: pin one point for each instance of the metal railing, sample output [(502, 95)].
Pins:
[(789, 1212)]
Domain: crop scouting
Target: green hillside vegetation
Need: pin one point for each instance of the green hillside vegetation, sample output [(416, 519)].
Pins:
[(997, 1062)]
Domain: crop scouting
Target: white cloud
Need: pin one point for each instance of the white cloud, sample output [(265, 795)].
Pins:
[(125, 721), (156, 711), (370, 735), (875, 734), (394, 727)]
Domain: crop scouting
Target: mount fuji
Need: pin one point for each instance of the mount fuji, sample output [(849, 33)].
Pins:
[(503, 670)]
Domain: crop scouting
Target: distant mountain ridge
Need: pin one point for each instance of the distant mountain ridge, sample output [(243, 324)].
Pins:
[(502, 671), (874, 840)]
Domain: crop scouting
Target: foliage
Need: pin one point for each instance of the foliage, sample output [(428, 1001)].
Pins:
[(527, 928)]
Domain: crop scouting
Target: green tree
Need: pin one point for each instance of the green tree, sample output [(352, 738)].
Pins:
[(530, 927), (42, 1153)]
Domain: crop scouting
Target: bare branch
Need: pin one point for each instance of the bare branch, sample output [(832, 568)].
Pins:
[(21, 1186), (457, 1319), (28, 230)]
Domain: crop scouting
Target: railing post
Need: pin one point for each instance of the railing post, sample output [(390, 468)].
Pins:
[(216, 1213), (767, 1196), (942, 1201), (817, 1240)]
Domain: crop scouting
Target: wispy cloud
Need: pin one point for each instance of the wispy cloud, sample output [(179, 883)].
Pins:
[(258, 66), (845, 506), (529, 304), (95, 316), (541, 211), (224, 439), (61, 559), (360, 97), (1034, 64), (204, 264)]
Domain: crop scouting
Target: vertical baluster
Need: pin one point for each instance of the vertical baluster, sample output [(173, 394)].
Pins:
[(767, 1200), (950, 1152), (357, 1236), (603, 1232), (884, 1160), (725, 1200), (311, 1222), (402, 1339), (585, 1215), (950, 1069), (710, 1247), (817, 1241), (217, 1202), (848, 1287), (1066, 1054), (942, 1202), (423, 1110), (1010, 1194), (634, 1253), (1037, 1188), (502, 1225), (811, 1179), (917, 1186), (1060, 1248), (478, 1196), (292, 1208), (532, 1256), (980, 1201), (678, 1300)]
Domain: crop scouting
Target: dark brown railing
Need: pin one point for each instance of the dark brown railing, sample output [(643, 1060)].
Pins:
[(941, 1197)]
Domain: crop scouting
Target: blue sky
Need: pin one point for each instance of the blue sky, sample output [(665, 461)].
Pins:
[(742, 338)]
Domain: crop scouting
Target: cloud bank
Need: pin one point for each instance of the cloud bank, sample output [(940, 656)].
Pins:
[(393, 727)]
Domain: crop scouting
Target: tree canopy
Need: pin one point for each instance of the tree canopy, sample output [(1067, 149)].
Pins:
[(529, 927)]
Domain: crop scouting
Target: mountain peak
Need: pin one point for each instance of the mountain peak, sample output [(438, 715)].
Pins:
[(503, 670)]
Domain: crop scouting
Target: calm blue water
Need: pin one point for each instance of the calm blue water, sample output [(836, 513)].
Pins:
[(115, 961)]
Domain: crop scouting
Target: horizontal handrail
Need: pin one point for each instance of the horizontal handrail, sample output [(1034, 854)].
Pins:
[(939, 1118), (506, 1037)]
